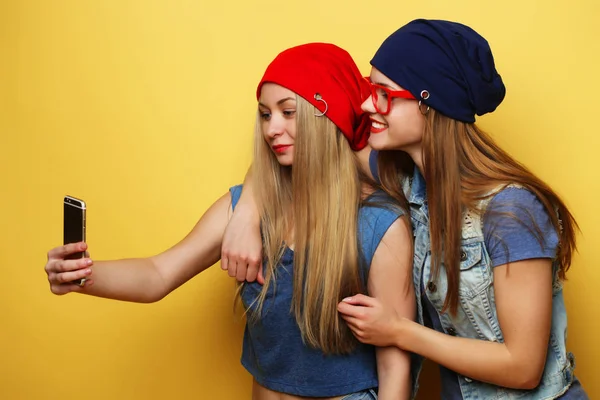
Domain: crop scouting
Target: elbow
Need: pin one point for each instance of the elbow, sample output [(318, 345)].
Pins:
[(157, 287), (156, 293), (530, 381), (147, 295), (528, 378), (152, 298)]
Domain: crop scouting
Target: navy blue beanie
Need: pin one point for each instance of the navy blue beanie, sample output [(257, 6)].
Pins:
[(447, 59)]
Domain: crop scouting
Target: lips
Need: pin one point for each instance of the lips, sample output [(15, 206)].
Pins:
[(281, 148), (377, 127)]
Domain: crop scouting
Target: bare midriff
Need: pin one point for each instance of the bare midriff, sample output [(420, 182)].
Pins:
[(262, 393)]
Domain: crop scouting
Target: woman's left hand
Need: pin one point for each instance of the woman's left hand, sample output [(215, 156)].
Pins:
[(369, 320)]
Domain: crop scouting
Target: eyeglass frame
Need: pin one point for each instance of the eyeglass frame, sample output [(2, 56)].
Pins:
[(391, 94)]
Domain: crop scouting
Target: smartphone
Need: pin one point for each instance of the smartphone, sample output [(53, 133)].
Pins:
[(74, 227)]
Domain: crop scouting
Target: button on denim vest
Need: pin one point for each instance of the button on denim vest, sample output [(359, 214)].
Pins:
[(476, 315)]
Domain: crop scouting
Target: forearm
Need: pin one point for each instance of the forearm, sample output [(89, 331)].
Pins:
[(136, 280), (247, 201), (490, 362), (393, 371)]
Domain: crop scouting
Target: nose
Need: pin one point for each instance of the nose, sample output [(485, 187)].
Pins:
[(276, 127), (367, 105)]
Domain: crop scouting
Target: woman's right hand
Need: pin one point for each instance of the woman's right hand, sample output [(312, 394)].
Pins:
[(241, 252), (62, 273)]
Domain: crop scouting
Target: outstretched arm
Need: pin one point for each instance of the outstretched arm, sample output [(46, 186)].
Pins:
[(143, 280)]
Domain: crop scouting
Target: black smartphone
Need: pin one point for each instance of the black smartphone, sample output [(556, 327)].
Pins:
[(74, 227)]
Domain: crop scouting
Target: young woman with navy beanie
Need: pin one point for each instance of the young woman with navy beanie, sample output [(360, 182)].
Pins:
[(492, 242)]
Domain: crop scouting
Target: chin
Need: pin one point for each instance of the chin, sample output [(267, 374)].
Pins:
[(378, 142), (285, 161)]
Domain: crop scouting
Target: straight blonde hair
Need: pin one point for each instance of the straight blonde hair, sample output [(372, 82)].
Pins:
[(313, 205)]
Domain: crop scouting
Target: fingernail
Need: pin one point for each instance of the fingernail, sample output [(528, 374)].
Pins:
[(88, 271), (347, 299), (88, 262)]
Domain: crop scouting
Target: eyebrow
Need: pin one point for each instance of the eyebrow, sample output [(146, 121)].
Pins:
[(385, 85), (279, 102)]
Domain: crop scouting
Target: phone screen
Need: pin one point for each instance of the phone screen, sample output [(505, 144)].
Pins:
[(74, 224)]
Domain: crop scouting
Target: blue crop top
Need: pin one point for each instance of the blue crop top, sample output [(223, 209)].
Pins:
[(273, 350)]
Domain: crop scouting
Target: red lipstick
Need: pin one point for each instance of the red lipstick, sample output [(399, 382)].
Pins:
[(381, 126), (281, 148)]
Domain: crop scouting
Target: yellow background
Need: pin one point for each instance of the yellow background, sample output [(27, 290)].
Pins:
[(145, 110)]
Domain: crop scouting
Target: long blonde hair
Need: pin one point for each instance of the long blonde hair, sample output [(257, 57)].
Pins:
[(315, 204), (463, 165)]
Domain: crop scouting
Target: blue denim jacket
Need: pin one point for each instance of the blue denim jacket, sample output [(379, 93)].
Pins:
[(476, 316)]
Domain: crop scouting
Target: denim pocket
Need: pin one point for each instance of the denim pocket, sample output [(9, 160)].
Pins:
[(475, 275)]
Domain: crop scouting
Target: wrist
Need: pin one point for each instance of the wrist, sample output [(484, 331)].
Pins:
[(249, 212), (401, 330)]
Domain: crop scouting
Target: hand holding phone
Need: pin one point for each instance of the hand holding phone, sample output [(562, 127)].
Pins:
[(74, 227)]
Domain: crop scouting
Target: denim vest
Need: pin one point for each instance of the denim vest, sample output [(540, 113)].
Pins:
[(476, 315)]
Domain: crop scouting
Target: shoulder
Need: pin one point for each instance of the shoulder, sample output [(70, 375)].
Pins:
[(380, 200), (235, 192), (379, 217), (515, 201), (381, 206), (517, 226), (514, 195)]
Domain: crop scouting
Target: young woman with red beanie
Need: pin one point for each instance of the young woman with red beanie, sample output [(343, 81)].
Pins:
[(327, 234)]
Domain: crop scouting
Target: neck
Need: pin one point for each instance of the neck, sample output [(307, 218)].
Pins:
[(363, 159), (416, 154)]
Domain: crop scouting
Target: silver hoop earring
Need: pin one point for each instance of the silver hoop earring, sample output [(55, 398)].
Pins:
[(424, 96), (318, 97)]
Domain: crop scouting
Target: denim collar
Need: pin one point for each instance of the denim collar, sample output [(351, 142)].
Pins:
[(418, 190)]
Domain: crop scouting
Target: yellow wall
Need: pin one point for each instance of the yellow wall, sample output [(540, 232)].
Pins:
[(145, 109)]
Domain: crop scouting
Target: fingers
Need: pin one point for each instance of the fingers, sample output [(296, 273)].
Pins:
[(353, 323), (61, 252), (224, 260), (68, 277), (361, 300), (63, 274), (356, 327), (252, 273), (60, 289), (232, 268), (350, 310), (260, 278), (58, 266), (253, 269), (241, 270)]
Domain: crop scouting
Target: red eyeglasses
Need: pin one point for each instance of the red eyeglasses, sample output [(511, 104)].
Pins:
[(382, 97)]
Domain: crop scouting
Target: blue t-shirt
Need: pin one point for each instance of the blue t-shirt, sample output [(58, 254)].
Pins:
[(516, 226), (273, 349), (507, 239)]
